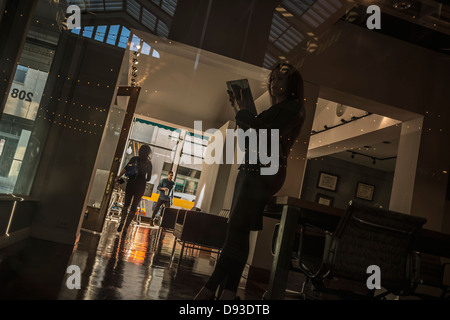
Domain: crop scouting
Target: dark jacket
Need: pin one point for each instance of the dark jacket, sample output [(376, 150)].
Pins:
[(165, 183), (287, 116), (145, 172)]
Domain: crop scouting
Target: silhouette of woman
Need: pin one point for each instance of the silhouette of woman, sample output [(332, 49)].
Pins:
[(253, 190), (135, 189)]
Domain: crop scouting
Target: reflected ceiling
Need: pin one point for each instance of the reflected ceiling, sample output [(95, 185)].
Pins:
[(424, 23), (375, 148), (297, 25)]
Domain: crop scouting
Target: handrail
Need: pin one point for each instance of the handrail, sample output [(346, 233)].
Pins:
[(13, 197), (10, 196)]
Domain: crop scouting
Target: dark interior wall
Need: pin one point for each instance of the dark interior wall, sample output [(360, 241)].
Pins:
[(77, 99), (23, 215), (349, 175), (234, 28)]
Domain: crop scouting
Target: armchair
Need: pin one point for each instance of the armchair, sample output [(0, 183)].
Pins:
[(365, 236)]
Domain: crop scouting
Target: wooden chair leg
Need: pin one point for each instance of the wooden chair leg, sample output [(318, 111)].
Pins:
[(181, 255), (173, 252)]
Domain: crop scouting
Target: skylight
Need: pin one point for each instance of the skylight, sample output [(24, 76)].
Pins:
[(113, 38)]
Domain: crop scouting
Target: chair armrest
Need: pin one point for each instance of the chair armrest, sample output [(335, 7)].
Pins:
[(309, 230), (446, 274), (415, 270), (325, 259)]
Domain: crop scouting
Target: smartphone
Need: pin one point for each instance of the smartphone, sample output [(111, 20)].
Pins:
[(242, 85)]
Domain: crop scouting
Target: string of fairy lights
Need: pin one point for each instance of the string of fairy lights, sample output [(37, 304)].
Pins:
[(134, 67)]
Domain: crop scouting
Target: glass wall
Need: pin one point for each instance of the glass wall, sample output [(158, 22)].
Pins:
[(22, 105), (20, 150)]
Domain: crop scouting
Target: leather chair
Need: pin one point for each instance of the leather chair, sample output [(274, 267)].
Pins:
[(365, 236)]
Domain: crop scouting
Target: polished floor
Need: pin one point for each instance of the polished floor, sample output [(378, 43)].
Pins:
[(134, 266), (137, 266)]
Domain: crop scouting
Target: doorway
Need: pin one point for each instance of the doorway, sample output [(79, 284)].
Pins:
[(110, 156)]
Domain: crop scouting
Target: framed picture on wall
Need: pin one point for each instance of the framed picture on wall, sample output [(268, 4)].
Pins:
[(327, 181), (365, 191), (324, 199)]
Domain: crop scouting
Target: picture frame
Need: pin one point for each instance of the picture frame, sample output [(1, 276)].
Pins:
[(327, 181), (365, 191), (324, 199)]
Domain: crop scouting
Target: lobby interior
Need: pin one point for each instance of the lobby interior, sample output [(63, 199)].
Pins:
[(144, 71)]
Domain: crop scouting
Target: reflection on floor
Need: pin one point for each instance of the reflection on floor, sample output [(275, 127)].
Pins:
[(114, 267), (136, 266), (131, 267)]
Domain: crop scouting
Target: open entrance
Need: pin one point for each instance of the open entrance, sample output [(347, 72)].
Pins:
[(179, 85), (110, 157)]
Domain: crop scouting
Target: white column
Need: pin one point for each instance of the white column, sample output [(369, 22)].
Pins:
[(406, 166)]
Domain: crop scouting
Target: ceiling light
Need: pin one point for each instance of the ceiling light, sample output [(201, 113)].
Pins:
[(402, 4)]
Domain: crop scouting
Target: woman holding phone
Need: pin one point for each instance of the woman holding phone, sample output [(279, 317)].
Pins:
[(253, 190)]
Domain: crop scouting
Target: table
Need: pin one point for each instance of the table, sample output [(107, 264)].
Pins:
[(293, 211)]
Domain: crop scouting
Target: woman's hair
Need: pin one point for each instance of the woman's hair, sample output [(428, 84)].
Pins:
[(295, 81), (145, 152)]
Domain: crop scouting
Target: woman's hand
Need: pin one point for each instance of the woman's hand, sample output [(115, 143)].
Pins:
[(232, 100), (243, 98)]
